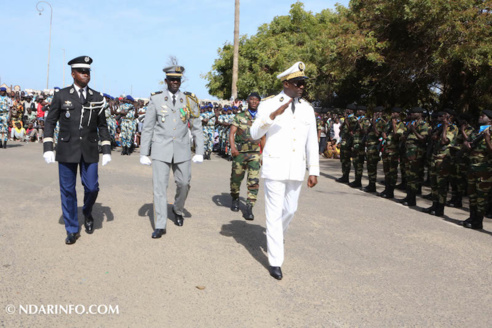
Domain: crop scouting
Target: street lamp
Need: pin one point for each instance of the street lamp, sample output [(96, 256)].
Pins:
[(40, 10)]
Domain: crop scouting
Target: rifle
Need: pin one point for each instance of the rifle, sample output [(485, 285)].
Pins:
[(473, 143)]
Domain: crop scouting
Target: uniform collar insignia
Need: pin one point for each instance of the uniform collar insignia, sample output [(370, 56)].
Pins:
[(281, 99), (72, 90), (90, 92), (166, 98), (180, 100)]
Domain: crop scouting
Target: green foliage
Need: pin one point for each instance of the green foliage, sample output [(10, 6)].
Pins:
[(432, 53)]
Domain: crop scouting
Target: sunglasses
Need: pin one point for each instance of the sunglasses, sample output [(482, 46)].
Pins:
[(174, 79), (83, 70), (299, 83)]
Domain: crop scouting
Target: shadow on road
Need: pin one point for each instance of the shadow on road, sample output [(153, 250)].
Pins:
[(251, 236), (147, 210), (99, 212), (225, 200), (13, 145)]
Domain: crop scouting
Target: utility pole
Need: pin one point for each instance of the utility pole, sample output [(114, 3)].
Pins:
[(235, 62)]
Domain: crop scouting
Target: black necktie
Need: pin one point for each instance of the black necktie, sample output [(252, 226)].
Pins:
[(293, 107), (174, 100), (82, 98)]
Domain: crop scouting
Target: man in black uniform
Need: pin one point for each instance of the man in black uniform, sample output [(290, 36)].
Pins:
[(80, 111)]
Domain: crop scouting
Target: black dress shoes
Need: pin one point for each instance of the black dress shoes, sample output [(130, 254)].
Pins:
[(158, 233), (71, 238), (179, 219), (235, 205), (276, 272), (89, 224)]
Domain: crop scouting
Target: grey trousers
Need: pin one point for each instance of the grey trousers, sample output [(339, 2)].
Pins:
[(182, 177)]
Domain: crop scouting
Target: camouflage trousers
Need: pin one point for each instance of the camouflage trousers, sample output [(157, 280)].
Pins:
[(240, 164), (440, 173), (414, 161), (479, 185), (459, 176), (358, 156), (208, 138), (345, 158), (4, 127), (403, 169), (390, 167), (372, 162), (127, 133), (111, 127)]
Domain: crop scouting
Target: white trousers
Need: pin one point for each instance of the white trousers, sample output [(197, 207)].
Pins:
[(280, 205)]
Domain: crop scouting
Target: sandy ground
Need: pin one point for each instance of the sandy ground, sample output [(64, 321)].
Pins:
[(352, 259)]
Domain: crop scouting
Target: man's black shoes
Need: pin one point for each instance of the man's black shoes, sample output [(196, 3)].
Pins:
[(276, 273), (89, 224), (71, 238), (158, 233), (179, 219), (248, 214)]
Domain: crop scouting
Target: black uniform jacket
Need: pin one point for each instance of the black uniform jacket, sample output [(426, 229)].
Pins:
[(77, 137)]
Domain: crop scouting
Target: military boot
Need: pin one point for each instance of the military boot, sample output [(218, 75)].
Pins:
[(455, 201), (123, 150), (235, 205), (5, 144), (438, 211), (387, 193), (428, 196), (410, 200), (475, 223), (356, 183), (488, 212), (248, 214), (371, 187), (430, 209), (402, 185), (343, 179)]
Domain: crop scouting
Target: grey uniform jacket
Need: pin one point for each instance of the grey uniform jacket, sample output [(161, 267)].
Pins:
[(165, 136)]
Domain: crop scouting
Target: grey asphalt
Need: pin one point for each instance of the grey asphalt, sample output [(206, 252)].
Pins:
[(352, 259)]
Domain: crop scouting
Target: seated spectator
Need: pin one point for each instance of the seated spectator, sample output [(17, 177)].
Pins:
[(18, 132), (333, 150), (32, 134)]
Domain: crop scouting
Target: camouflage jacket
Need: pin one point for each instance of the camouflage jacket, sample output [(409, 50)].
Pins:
[(360, 130), (422, 128), (242, 139), (392, 141), (372, 137)]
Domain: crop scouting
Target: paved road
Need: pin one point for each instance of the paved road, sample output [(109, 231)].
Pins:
[(352, 259)]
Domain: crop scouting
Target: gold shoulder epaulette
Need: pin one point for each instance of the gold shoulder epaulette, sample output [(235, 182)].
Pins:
[(192, 96), (268, 97), (155, 93)]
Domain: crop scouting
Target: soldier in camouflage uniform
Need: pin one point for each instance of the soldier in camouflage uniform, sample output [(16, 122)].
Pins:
[(128, 125), (346, 135), (442, 136), (480, 171), (373, 146), (208, 123), (246, 156), (221, 119), (416, 135), (461, 162), (5, 104), (392, 134), (359, 147)]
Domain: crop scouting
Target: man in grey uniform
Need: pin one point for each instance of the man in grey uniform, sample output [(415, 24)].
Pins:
[(169, 117)]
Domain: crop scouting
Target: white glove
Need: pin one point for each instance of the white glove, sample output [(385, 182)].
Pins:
[(145, 160), (49, 157), (106, 159), (197, 159)]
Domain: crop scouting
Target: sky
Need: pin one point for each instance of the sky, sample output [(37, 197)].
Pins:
[(129, 41)]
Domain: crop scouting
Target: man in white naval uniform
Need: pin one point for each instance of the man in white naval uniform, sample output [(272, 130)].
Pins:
[(166, 139), (289, 123)]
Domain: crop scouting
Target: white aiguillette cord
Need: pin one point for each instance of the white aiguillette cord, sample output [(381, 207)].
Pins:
[(98, 105)]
